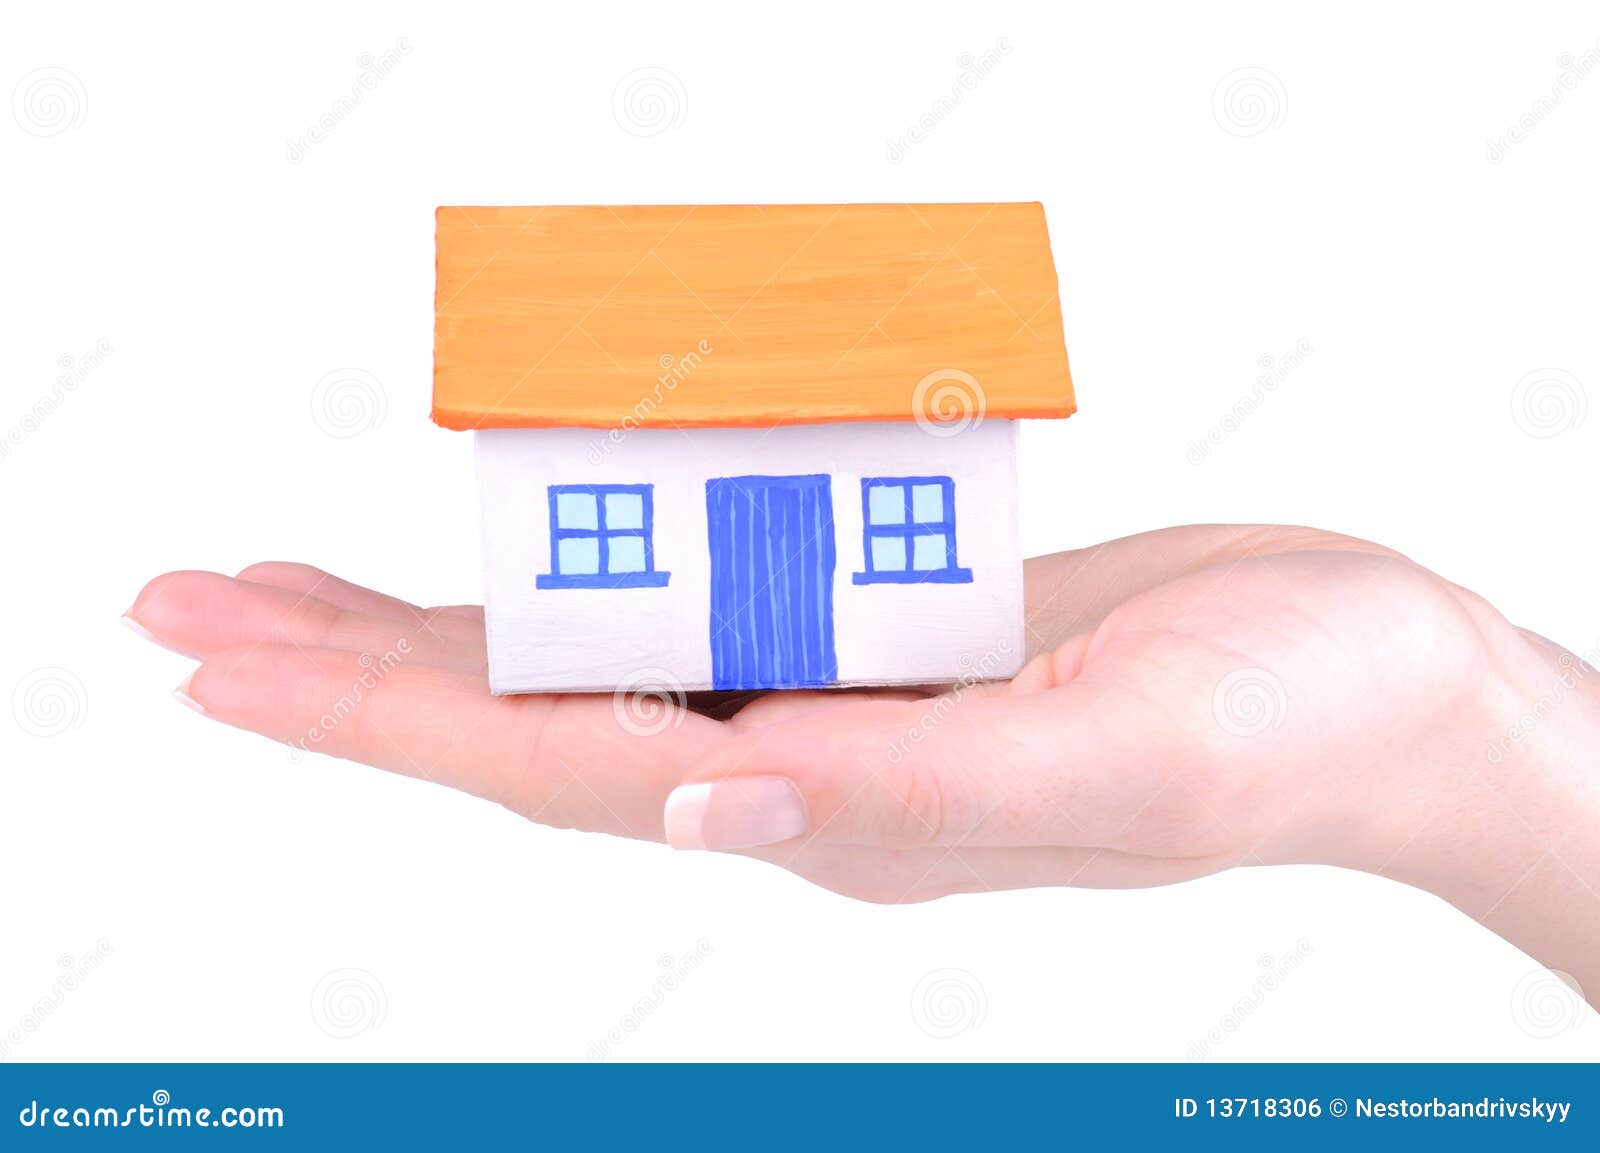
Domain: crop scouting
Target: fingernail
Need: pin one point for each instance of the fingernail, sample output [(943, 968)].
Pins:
[(738, 813), (148, 635), (182, 693)]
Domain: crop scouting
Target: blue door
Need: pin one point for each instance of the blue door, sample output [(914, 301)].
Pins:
[(772, 559)]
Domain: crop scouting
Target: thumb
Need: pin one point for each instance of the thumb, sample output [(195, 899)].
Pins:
[(957, 769)]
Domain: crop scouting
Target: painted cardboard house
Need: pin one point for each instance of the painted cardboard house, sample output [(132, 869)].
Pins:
[(739, 447)]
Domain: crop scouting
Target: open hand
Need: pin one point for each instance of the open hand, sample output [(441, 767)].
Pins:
[(1195, 698)]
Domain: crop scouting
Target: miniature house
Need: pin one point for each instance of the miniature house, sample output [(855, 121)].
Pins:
[(745, 447)]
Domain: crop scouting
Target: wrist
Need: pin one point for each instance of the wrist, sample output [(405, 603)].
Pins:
[(1498, 815)]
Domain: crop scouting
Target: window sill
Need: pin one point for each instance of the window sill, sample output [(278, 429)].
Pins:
[(621, 580), (944, 576)]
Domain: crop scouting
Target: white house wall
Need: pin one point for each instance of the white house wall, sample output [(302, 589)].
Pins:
[(599, 639)]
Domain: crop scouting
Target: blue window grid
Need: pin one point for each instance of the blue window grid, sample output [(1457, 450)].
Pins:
[(908, 531), (603, 535)]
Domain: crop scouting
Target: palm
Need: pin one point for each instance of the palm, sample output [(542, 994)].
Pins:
[(1218, 676), (1288, 673)]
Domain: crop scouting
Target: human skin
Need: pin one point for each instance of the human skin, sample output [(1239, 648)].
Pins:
[(1194, 699)]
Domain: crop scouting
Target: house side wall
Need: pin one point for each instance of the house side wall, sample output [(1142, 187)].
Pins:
[(599, 639)]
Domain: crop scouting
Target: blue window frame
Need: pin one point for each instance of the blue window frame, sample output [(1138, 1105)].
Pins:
[(909, 531), (602, 537)]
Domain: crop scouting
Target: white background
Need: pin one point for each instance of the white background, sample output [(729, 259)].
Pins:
[(165, 217)]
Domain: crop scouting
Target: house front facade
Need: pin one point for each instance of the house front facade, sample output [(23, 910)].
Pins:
[(820, 496), (737, 558)]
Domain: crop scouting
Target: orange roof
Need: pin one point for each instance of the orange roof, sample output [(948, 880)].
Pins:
[(747, 315)]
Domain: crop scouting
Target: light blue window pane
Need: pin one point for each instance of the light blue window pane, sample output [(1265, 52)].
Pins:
[(886, 504), (927, 504), (888, 553), (626, 552), (624, 510), (929, 553), (578, 555), (576, 510)]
